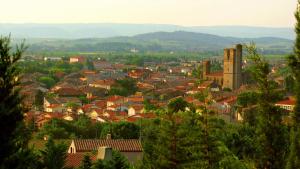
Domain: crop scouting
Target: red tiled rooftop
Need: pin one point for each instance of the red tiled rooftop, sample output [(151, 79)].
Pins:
[(287, 102), (122, 145), (137, 106), (100, 103), (68, 91), (114, 98), (104, 82)]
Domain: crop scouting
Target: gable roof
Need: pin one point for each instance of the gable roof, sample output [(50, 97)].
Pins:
[(122, 145)]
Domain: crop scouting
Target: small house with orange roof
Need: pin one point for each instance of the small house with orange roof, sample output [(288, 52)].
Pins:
[(115, 100), (287, 104), (135, 109), (77, 59)]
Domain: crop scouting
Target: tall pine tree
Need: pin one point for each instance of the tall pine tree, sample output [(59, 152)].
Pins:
[(294, 64), (86, 163), (11, 110), (54, 155), (271, 133)]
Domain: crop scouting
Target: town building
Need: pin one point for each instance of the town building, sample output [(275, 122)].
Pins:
[(77, 59), (231, 76), (130, 148)]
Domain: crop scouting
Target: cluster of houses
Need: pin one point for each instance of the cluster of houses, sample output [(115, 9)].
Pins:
[(86, 92)]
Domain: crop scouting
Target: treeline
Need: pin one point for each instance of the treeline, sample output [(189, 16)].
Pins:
[(84, 128), (49, 70)]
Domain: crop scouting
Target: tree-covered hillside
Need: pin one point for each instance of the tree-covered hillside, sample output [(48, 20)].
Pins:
[(160, 41)]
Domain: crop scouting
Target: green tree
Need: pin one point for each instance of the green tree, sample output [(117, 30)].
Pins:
[(54, 155), (121, 130), (47, 80), (118, 161), (86, 163), (99, 164), (149, 106), (124, 87), (289, 83), (12, 142), (181, 138), (89, 64), (39, 98), (294, 64), (270, 132), (246, 99)]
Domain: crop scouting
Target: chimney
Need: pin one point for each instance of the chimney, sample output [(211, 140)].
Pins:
[(104, 153), (108, 137)]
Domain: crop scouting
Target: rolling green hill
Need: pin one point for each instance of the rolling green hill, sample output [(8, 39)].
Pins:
[(160, 41)]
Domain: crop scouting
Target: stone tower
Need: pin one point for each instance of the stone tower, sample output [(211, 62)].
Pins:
[(206, 69), (233, 67)]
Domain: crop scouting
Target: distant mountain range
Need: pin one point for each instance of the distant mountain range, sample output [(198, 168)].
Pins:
[(105, 30), (160, 41)]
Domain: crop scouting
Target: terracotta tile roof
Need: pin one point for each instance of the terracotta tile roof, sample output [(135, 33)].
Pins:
[(286, 102), (140, 115), (86, 107), (132, 119), (68, 91), (122, 145), (100, 103), (54, 106), (135, 98), (89, 72), (215, 74), (145, 85), (189, 99), (137, 107), (121, 113), (114, 98), (114, 106), (107, 82), (74, 160), (181, 87)]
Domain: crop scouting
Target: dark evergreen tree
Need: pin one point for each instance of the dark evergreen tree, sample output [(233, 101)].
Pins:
[(89, 64), (118, 161), (86, 162), (181, 138), (99, 164), (294, 64), (11, 111), (39, 99), (54, 155), (271, 134)]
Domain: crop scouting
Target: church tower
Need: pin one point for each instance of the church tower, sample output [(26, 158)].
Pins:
[(233, 67), (205, 69)]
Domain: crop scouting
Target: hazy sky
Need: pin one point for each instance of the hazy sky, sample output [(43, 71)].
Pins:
[(276, 13)]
